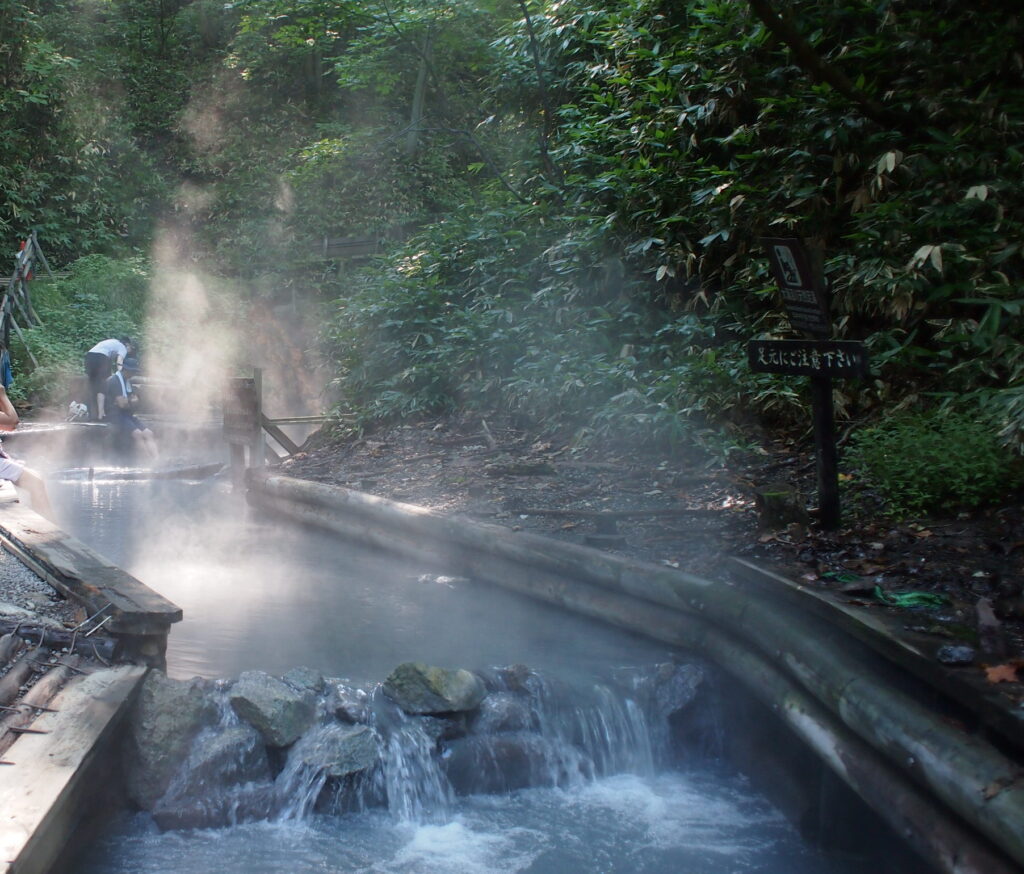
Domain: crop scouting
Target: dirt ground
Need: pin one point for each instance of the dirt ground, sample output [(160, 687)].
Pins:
[(956, 576)]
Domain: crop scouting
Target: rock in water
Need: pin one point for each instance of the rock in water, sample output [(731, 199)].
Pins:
[(276, 710), (167, 717), (420, 688)]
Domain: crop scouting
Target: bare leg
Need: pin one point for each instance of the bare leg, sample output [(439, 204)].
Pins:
[(35, 488), (147, 441), (150, 442)]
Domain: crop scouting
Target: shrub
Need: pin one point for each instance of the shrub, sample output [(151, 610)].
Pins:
[(923, 464), (102, 298)]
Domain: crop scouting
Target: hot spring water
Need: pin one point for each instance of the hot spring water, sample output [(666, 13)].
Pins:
[(603, 788)]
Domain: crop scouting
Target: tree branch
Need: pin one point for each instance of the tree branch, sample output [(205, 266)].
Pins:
[(815, 66), (545, 131)]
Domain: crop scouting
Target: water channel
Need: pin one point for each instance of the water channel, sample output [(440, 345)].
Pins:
[(259, 594)]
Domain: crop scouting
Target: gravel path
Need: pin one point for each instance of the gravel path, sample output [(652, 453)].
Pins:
[(24, 596)]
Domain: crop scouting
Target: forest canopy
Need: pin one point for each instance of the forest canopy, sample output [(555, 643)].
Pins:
[(563, 202)]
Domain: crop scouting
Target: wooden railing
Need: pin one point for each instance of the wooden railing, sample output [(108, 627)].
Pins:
[(16, 298), (246, 426), (348, 247)]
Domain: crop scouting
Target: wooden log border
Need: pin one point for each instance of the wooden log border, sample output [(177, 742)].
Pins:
[(915, 769), (84, 576)]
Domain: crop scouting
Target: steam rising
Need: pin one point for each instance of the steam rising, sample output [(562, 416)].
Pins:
[(202, 330), (193, 344)]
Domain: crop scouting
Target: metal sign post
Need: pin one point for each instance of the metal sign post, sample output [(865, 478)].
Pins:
[(805, 297)]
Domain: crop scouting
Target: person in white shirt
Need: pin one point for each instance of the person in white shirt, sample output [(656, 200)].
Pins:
[(14, 470), (100, 362)]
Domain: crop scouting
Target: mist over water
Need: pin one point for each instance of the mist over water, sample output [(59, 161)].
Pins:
[(259, 594)]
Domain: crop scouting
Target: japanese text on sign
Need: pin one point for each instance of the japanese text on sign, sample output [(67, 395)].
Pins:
[(808, 357)]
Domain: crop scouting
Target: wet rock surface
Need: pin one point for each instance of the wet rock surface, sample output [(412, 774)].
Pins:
[(223, 760), (425, 689), (211, 763), (166, 719), (278, 711)]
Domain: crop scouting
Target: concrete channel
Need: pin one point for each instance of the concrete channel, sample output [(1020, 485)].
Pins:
[(935, 755)]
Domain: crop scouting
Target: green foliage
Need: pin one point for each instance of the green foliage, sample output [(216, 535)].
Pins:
[(691, 130), (68, 167), (933, 463), (375, 184), (115, 284), (478, 313), (1004, 409), (101, 298), (580, 189)]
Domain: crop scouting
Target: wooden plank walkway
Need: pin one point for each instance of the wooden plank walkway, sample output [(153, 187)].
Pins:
[(85, 576), (43, 792)]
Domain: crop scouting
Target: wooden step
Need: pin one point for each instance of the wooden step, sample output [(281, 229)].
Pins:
[(44, 790)]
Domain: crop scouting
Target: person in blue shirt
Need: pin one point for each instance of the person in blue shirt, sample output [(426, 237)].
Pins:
[(122, 399)]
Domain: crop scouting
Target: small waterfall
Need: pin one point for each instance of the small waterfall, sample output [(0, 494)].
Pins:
[(415, 786), (316, 758), (365, 752), (579, 734), (225, 780)]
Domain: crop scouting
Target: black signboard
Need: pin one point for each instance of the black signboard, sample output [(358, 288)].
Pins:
[(832, 358), (802, 288)]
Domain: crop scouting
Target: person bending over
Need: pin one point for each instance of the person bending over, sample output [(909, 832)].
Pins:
[(100, 361), (14, 470)]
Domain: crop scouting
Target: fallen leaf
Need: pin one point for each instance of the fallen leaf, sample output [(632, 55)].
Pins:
[(993, 789), (998, 785), (1002, 673)]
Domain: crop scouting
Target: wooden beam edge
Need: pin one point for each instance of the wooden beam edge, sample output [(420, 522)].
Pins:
[(50, 769)]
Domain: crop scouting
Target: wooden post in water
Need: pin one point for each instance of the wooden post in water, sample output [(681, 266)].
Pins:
[(242, 411), (257, 445)]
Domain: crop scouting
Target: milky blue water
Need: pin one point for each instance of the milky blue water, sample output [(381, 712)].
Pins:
[(257, 594)]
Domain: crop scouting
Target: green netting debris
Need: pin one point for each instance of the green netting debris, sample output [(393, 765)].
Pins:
[(911, 599)]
